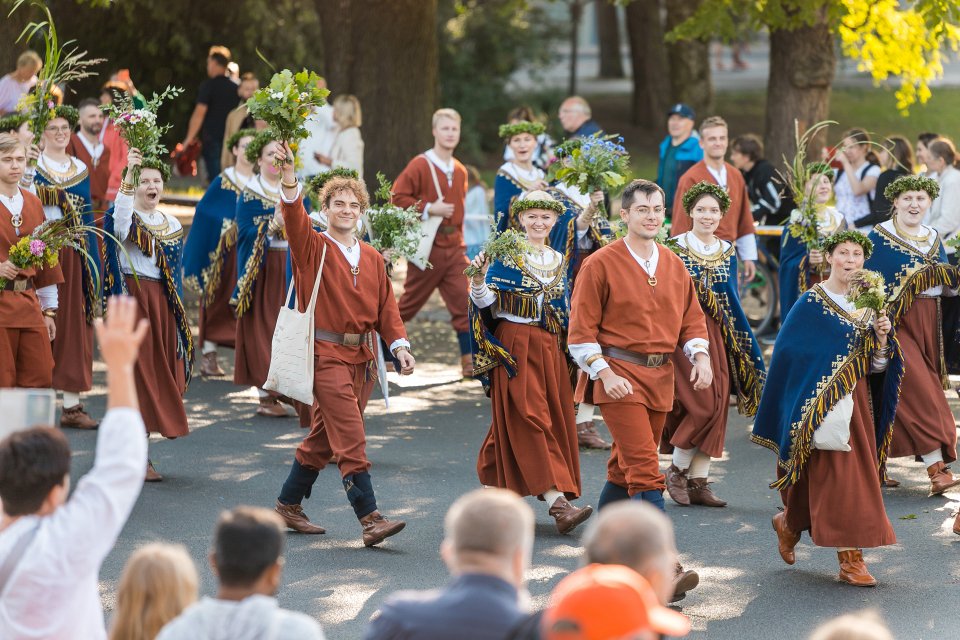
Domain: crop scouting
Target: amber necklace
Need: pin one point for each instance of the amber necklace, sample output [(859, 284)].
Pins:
[(909, 236), (61, 175), (703, 257)]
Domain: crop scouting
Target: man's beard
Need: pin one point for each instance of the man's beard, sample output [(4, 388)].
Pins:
[(91, 132)]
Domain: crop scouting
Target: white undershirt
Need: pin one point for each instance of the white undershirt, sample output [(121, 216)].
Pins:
[(123, 220), (236, 178), (46, 295), (96, 150), (580, 352), (719, 176)]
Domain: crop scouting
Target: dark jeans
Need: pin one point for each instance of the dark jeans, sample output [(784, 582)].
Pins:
[(211, 157)]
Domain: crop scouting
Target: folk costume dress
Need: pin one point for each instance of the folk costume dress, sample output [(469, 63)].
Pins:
[(699, 418), (64, 190), (796, 273), (917, 276), (26, 359), (150, 271), (261, 282), (519, 321), (818, 386), (630, 313), (210, 257)]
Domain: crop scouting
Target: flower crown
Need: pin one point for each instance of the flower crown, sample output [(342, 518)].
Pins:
[(519, 206), (507, 131), (701, 189), (912, 183), (235, 139), (255, 148), (315, 184), (820, 169), (152, 162), (855, 237), (12, 122), (68, 113)]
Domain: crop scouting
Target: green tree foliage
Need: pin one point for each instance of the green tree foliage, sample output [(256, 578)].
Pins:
[(482, 42), (890, 39)]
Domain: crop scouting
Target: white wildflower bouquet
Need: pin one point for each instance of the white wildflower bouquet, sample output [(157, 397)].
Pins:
[(287, 102), (139, 127), (393, 228)]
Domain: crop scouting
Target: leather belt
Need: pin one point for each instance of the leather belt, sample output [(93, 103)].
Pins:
[(447, 230), (346, 339), (651, 360), (24, 284)]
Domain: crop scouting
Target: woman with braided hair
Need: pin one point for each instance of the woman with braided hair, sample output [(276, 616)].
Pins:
[(519, 307), (694, 430)]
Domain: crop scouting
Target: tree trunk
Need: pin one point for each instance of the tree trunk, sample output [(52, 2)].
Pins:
[(396, 81), (608, 36), (689, 61), (648, 58), (802, 66), (576, 12)]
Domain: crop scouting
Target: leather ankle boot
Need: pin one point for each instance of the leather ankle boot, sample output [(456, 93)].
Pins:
[(568, 517), (940, 478), (296, 519), (853, 570), (786, 539), (271, 408), (589, 438), (683, 581), (377, 528), (677, 485), (700, 493), (76, 418), (210, 365)]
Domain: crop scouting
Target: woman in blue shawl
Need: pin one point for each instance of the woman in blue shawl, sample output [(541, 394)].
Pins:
[(694, 431), (912, 259), (519, 307), (818, 415), (800, 266)]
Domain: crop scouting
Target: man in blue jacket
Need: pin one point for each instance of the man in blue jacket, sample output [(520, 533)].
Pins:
[(679, 151)]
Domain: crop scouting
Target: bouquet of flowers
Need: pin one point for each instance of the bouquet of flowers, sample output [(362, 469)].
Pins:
[(867, 290), (509, 244), (591, 164), (392, 228), (42, 247), (138, 127), (286, 103), (803, 220), (61, 64)]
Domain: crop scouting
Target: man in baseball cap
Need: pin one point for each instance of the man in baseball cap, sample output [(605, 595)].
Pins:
[(608, 602), (679, 151)]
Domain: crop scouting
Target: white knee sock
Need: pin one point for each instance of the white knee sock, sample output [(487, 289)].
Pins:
[(929, 459), (700, 466), (841, 549), (70, 399), (683, 457), (551, 496), (209, 347), (585, 413)]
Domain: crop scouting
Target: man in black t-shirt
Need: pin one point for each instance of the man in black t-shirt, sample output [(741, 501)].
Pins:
[(216, 98)]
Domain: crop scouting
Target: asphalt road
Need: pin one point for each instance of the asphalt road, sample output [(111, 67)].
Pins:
[(424, 453)]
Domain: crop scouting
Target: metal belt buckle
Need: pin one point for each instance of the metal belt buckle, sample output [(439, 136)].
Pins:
[(20, 285), (655, 360), (352, 339)]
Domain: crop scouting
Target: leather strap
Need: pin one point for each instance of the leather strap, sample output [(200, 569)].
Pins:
[(346, 339), (16, 554), (19, 285), (651, 360)]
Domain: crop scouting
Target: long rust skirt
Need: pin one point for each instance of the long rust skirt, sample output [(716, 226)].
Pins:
[(255, 327), (532, 443), (837, 496), (159, 375), (924, 422), (699, 418), (217, 323), (73, 347)]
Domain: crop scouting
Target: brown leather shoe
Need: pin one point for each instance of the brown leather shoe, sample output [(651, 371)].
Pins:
[(377, 528), (889, 482), (466, 365), (786, 539), (209, 365), (568, 517), (677, 485), (271, 408), (152, 475), (589, 438), (683, 582), (76, 418), (699, 491), (296, 519), (853, 570), (940, 478)]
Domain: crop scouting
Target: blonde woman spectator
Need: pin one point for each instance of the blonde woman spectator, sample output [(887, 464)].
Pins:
[(158, 583), (347, 150), (15, 84), (944, 215)]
